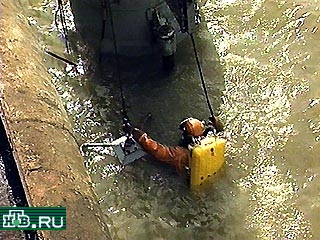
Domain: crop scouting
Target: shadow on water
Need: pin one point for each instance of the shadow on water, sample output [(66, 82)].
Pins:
[(151, 198), (169, 96), (89, 21), (145, 198), (148, 199)]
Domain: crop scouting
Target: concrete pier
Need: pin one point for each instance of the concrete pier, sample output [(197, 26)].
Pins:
[(46, 153)]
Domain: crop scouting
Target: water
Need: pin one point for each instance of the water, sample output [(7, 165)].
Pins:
[(260, 62)]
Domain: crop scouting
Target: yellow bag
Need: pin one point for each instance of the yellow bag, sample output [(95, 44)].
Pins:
[(206, 158)]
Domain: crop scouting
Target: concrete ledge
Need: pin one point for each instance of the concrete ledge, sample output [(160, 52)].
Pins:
[(47, 154)]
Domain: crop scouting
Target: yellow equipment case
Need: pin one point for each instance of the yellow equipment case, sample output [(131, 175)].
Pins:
[(206, 158)]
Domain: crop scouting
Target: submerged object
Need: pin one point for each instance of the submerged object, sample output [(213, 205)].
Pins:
[(127, 150), (206, 159), (142, 27)]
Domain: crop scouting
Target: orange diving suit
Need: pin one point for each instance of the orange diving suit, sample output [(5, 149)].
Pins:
[(176, 156)]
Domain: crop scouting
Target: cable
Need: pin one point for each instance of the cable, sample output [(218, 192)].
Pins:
[(201, 76), (104, 18), (124, 112), (103, 26), (63, 23)]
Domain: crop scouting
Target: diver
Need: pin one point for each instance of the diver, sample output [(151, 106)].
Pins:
[(193, 130)]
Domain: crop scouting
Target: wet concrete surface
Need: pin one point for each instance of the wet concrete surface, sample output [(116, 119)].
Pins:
[(46, 152)]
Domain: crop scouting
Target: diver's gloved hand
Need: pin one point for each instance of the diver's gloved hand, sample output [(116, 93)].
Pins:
[(137, 133), (218, 125)]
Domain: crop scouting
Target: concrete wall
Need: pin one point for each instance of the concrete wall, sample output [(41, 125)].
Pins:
[(46, 152)]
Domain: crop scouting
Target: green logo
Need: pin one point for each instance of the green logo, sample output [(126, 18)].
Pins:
[(32, 218)]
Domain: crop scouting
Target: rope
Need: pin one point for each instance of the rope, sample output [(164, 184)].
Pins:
[(124, 112), (201, 76), (103, 25), (104, 18), (63, 23)]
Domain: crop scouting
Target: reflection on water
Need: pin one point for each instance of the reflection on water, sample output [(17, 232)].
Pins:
[(260, 61), (267, 48)]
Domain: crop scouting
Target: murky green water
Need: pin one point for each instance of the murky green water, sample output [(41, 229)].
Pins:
[(260, 61)]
